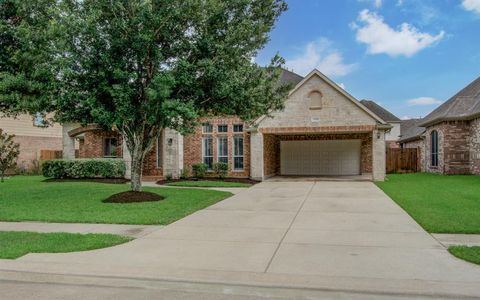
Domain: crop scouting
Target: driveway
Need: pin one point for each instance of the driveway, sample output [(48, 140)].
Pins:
[(315, 234)]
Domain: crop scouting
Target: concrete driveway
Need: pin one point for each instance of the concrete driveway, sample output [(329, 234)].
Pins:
[(315, 234)]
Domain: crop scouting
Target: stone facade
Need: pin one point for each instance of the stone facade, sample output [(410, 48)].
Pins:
[(474, 145), (192, 144)]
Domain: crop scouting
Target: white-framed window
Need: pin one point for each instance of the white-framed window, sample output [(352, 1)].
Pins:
[(238, 153), (39, 120), (207, 152), (222, 152), (159, 151), (207, 128), (434, 148), (237, 127), (110, 147), (223, 128)]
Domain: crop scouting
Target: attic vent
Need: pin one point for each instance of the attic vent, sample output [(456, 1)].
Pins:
[(315, 100)]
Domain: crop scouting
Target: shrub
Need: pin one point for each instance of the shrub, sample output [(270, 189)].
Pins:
[(84, 168), (221, 169), (9, 151), (199, 170), (185, 173)]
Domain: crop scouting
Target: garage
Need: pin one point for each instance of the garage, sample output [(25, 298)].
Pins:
[(320, 157)]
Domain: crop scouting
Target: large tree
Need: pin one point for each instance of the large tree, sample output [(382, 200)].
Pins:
[(139, 66), (27, 71)]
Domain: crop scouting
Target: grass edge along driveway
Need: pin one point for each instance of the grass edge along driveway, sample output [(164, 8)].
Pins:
[(209, 183), (14, 244), (440, 204), (30, 198)]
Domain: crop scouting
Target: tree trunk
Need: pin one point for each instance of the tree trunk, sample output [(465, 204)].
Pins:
[(136, 168), (2, 175)]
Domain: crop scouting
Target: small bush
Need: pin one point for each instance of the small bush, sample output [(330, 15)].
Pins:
[(185, 173), (221, 169), (84, 168), (199, 170)]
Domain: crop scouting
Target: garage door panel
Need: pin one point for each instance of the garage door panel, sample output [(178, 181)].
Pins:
[(317, 157)]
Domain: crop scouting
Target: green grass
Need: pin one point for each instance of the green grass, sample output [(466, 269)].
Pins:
[(440, 204), (471, 254), (15, 244), (209, 183), (29, 198)]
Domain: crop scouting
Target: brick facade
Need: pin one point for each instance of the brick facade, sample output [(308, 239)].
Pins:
[(272, 149), (92, 144), (192, 144)]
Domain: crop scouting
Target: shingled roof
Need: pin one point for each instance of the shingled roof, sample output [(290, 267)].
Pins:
[(465, 105), (289, 77), (410, 130), (380, 111)]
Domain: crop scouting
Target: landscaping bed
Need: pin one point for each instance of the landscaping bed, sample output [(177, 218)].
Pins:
[(30, 198), (209, 182), (440, 204), (14, 244)]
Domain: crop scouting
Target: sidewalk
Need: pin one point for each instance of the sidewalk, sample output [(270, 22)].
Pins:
[(134, 231), (447, 239)]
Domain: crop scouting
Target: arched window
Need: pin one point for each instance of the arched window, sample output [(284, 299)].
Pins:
[(315, 100), (434, 147)]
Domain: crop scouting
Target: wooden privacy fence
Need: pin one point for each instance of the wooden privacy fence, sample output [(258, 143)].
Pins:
[(403, 160), (50, 154)]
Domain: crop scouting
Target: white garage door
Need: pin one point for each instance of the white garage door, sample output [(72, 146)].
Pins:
[(337, 157)]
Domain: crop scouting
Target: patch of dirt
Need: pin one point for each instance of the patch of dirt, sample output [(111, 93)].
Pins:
[(239, 180), (98, 180), (133, 197)]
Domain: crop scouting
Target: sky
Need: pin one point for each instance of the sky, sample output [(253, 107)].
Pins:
[(407, 55)]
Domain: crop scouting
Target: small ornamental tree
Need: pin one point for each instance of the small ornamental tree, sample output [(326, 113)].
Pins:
[(9, 151)]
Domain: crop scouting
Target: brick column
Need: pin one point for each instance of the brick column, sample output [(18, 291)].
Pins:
[(378, 160), (256, 156), (68, 143)]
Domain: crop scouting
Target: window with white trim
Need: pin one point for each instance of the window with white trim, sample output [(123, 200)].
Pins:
[(207, 152), (39, 120), (222, 153), (207, 128), (222, 128), (434, 148), (238, 153), (237, 127), (110, 147)]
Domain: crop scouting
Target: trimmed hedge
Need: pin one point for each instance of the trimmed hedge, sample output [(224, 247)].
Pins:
[(221, 169), (199, 170), (84, 168)]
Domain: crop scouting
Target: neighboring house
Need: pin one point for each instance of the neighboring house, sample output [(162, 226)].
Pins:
[(392, 136), (323, 130), (450, 135), (32, 135)]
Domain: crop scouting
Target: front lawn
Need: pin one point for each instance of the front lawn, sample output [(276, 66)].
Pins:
[(29, 198), (14, 244), (441, 204), (471, 254), (209, 183)]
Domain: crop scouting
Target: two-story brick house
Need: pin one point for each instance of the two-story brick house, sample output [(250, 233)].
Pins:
[(323, 130)]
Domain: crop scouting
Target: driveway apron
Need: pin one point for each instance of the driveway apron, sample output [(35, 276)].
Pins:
[(317, 234)]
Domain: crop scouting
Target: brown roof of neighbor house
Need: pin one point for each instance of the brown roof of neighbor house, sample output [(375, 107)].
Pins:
[(289, 77), (464, 105), (380, 111), (410, 130)]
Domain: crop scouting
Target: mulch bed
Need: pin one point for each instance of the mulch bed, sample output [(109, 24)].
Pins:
[(133, 197), (98, 180), (239, 180)]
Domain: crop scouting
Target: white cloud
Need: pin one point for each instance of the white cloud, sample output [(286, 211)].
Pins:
[(322, 56), (381, 38), (406, 118), (472, 5), (376, 3), (399, 3), (422, 101)]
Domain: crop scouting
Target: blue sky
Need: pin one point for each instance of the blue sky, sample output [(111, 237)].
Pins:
[(408, 55)]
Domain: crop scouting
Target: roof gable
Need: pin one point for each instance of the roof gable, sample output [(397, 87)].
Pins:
[(463, 105)]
